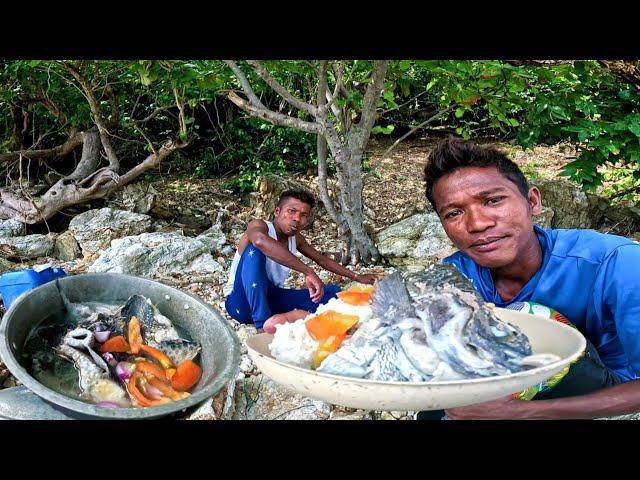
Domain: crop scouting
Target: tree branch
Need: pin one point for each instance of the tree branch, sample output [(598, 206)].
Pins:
[(152, 114), (417, 127), (322, 147), (372, 95), (246, 86), (181, 120), (114, 163), (64, 194), (60, 151), (115, 108), (280, 89), (628, 70), (261, 111), (90, 155)]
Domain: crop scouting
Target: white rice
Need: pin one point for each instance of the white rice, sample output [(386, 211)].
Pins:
[(292, 343)]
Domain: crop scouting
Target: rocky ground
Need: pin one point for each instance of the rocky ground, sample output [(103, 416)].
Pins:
[(393, 190)]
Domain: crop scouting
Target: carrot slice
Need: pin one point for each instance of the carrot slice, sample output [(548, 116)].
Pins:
[(167, 390), (357, 295), (115, 344), (330, 323), (135, 335), (149, 369), (157, 355), (187, 375), (134, 390), (326, 347)]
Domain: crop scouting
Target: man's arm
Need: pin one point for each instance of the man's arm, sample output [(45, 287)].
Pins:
[(328, 264), (612, 401), (258, 234)]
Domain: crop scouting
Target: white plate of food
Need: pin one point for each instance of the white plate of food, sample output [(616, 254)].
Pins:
[(551, 343)]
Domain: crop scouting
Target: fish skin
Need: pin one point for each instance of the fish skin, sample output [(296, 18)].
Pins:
[(155, 326), (157, 330), (96, 384), (179, 349), (432, 327)]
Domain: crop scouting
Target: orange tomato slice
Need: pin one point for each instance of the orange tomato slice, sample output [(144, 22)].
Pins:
[(328, 346), (186, 376), (357, 295), (330, 323)]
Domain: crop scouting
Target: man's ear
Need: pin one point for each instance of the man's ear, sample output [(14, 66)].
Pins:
[(277, 211), (535, 201)]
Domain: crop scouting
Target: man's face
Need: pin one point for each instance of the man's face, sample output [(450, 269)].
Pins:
[(485, 215), (292, 216)]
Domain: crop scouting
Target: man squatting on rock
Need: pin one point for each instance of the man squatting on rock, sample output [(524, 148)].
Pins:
[(264, 259)]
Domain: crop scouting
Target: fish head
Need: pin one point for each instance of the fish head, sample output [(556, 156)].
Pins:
[(503, 343)]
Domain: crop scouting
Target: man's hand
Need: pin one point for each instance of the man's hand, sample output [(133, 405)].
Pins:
[(367, 278), (315, 286), (504, 408)]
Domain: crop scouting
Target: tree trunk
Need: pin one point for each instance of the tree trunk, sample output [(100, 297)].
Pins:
[(629, 70), (358, 245), (322, 181), (90, 155), (20, 127), (65, 193), (347, 142)]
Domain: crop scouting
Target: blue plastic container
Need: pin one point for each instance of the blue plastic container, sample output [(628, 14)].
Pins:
[(13, 284)]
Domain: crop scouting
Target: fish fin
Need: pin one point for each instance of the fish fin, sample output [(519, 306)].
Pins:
[(391, 300)]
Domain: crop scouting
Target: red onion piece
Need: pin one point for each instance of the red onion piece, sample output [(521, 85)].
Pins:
[(102, 336), (152, 392), (110, 359), (124, 370), (107, 404)]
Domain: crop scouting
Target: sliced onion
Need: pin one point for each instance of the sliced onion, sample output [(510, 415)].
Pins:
[(102, 336), (124, 370), (152, 392), (107, 404), (110, 359)]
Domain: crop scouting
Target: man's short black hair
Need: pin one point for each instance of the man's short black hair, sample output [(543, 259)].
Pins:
[(301, 195), (453, 153)]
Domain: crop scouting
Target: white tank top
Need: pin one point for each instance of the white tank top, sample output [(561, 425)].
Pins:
[(276, 273)]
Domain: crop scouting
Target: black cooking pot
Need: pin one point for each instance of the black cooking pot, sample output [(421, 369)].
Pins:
[(219, 358)]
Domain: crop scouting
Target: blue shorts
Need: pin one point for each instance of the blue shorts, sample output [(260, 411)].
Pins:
[(255, 298)]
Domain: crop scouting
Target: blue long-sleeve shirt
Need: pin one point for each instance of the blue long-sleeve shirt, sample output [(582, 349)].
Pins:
[(593, 279)]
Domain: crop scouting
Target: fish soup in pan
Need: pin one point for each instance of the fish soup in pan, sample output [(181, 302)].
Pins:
[(118, 346)]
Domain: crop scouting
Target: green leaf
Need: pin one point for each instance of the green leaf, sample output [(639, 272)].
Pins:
[(405, 64), (34, 63), (613, 148), (634, 128), (388, 95), (384, 130), (460, 112), (146, 79)]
